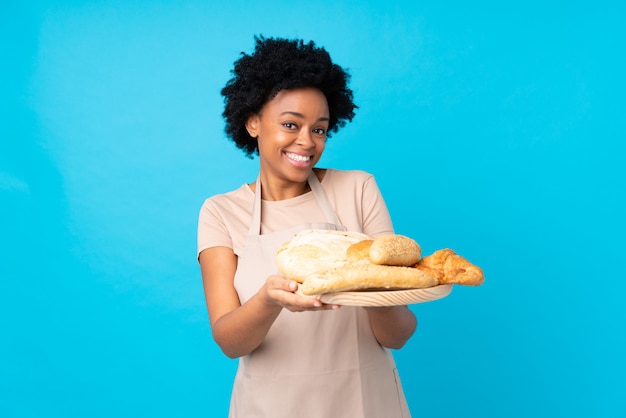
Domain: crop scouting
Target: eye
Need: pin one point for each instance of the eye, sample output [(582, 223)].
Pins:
[(320, 131), (289, 125)]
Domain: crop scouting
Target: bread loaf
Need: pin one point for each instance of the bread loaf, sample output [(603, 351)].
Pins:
[(315, 250), (325, 261), (364, 275), (331, 261)]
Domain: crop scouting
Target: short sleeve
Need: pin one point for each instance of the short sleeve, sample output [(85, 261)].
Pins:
[(375, 215), (212, 230)]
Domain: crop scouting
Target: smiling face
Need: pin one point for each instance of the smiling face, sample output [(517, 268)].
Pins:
[(291, 133)]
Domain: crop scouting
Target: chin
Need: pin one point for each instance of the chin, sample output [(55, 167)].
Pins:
[(299, 176)]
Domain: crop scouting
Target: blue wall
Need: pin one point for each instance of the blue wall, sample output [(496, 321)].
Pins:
[(493, 128)]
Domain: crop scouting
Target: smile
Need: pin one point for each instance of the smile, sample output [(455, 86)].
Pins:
[(297, 157)]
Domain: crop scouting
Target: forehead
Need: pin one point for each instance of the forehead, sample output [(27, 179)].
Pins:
[(302, 100)]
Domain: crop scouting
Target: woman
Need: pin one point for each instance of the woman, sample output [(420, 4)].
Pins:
[(298, 356)]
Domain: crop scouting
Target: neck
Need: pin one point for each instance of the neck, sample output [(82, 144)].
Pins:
[(274, 189)]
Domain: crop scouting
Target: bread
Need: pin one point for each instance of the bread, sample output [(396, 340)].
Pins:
[(314, 250), (359, 251), (331, 261), (326, 261), (394, 250), (364, 275), (451, 268)]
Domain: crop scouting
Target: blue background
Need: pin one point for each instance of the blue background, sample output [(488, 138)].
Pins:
[(493, 128)]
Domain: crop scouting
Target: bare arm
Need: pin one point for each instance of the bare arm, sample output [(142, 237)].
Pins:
[(392, 326), (239, 329)]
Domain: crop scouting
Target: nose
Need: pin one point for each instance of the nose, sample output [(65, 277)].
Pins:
[(305, 138)]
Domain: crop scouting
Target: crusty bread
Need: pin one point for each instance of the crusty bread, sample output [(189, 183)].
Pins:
[(451, 268), (325, 261), (313, 250), (331, 261), (364, 275), (394, 250), (359, 251)]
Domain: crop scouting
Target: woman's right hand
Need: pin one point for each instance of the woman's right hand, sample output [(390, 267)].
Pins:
[(238, 329), (281, 291)]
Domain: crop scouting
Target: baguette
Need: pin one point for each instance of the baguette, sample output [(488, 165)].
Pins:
[(362, 276)]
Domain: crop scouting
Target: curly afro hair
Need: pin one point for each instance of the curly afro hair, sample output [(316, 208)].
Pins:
[(281, 64)]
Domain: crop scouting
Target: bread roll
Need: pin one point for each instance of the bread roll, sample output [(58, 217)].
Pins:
[(359, 251), (394, 250)]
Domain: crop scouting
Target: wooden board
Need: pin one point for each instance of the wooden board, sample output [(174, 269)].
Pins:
[(387, 297)]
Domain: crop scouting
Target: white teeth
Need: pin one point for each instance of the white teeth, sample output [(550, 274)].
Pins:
[(299, 158)]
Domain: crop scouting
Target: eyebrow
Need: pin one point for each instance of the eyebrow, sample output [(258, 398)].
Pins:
[(300, 115)]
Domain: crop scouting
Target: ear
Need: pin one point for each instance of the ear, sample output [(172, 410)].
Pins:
[(252, 125)]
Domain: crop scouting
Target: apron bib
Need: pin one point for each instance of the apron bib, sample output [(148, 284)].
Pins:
[(311, 364)]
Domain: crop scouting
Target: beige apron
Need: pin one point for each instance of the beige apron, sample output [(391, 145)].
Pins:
[(310, 364)]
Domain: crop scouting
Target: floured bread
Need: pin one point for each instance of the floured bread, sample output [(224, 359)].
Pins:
[(313, 250)]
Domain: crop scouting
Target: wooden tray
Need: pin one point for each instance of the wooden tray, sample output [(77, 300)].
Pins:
[(387, 297)]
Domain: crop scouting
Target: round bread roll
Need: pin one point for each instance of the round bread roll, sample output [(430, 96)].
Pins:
[(394, 250)]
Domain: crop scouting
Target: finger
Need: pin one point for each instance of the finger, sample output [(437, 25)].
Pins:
[(283, 283), (314, 303)]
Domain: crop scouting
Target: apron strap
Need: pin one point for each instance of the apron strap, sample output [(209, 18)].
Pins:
[(255, 222), (318, 192), (322, 200)]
